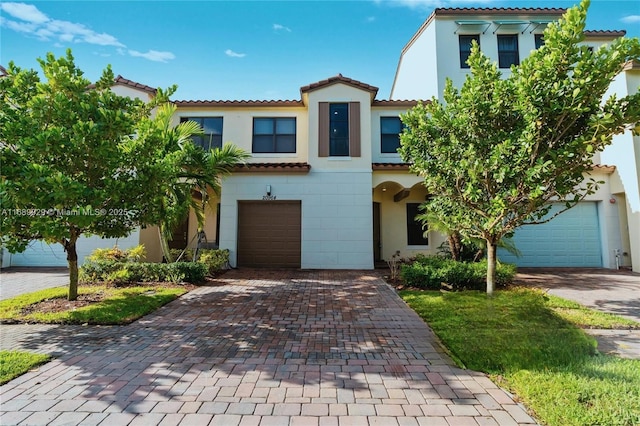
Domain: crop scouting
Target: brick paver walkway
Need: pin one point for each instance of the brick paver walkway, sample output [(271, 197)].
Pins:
[(263, 348)]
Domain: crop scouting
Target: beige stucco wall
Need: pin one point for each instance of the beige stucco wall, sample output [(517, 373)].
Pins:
[(237, 128)]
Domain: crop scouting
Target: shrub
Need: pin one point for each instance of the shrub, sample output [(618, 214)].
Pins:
[(432, 272), (215, 260), (119, 272), (184, 255), (116, 254)]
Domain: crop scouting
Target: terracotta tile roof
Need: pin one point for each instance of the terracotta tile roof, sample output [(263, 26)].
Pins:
[(631, 65), (273, 168), (399, 103), (390, 166), (604, 33), (338, 79), (3, 71), (120, 80), (456, 11), (254, 103)]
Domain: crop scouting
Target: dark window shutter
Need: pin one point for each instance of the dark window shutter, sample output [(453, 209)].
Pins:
[(354, 129), (323, 129)]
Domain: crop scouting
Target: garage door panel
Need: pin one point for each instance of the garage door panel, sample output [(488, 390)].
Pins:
[(570, 239), (269, 233)]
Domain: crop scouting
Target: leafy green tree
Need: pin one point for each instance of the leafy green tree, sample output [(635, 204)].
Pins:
[(70, 165), (195, 173), (498, 151)]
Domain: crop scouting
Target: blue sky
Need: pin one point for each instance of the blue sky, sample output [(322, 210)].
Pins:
[(243, 49)]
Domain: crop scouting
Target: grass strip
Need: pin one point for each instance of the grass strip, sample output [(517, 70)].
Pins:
[(118, 305), (522, 338), (16, 363)]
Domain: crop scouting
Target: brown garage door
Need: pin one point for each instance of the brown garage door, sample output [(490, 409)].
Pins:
[(269, 234)]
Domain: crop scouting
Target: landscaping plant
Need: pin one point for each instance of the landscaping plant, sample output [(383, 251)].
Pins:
[(496, 152)]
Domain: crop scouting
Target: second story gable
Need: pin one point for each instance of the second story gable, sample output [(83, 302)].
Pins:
[(337, 123)]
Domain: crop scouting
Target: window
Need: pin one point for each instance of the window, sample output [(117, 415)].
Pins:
[(415, 233), (465, 48), (508, 50), (390, 129), (339, 130), (274, 135), (539, 40), (212, 127)]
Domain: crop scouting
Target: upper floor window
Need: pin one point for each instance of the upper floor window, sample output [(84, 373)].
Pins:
[(539, 40), (416, 235), (390, 129), (508, 50), (212, 127), (338, 130), (274, 135), (465, 47)]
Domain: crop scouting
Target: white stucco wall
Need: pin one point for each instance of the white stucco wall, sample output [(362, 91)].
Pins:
[(417, 73), (337, 218)]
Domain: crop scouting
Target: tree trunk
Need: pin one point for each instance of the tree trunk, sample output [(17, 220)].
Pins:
[(164, 244), (455, 245), (491, 266), (72, 260)]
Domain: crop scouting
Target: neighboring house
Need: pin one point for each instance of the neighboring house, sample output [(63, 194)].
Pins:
[(603, 230), (39, 253)]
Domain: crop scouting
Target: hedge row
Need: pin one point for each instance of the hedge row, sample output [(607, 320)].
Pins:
[(116, 272), (432, 272)]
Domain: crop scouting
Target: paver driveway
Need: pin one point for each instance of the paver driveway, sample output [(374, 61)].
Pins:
[(263, 348)]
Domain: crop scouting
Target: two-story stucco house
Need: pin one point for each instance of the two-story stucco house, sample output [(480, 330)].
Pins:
[(324, 188), (602, 231)]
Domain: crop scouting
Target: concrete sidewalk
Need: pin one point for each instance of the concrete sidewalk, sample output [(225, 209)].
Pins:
[(15, 281), (262, 348), (607, 290)]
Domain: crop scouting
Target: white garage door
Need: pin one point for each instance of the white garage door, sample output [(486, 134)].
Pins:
[(41, 254), (571, 239)]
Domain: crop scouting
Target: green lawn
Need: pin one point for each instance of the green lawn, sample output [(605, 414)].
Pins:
[(119, 306), (532, 343), (16, 363)]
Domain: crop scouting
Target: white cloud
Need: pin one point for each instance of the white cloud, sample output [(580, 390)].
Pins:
[(278, 27), (27, 19), (24, 12), (153, 55), (631, 19), (233, 54)]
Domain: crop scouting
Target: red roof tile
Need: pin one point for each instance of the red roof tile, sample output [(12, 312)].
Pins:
[(251, 103), (3, 71), (274, 168), (390, 166), (454, 11), (120, 80), (397, 103), (338, 79)]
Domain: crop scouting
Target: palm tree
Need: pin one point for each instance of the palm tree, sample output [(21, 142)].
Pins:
[(194, 172)]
